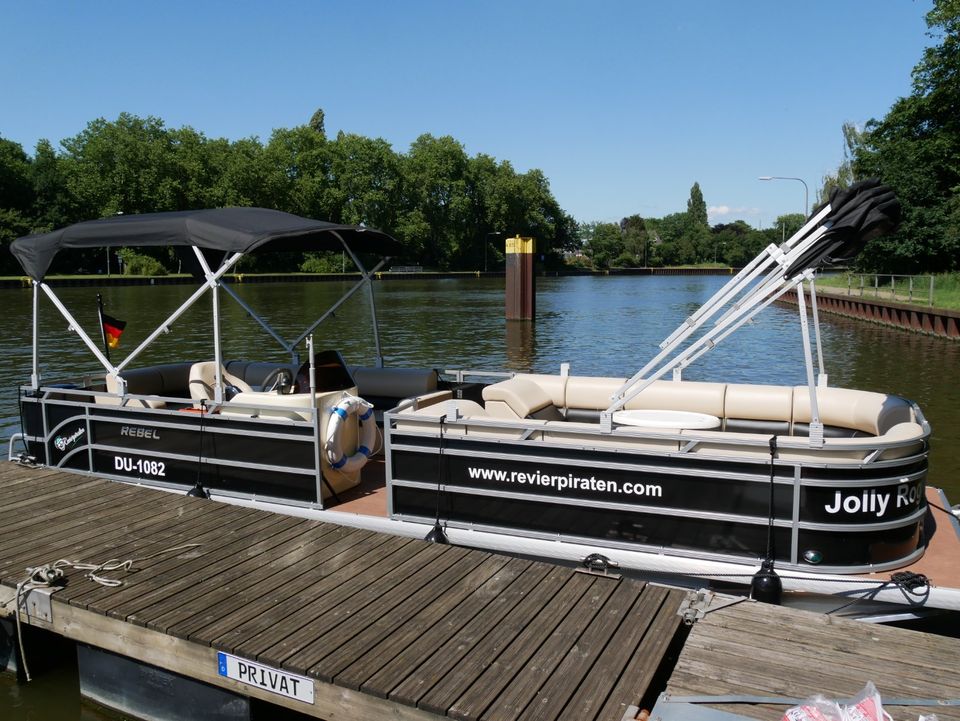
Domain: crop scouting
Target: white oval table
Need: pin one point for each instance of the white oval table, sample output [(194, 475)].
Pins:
[(666, 419)]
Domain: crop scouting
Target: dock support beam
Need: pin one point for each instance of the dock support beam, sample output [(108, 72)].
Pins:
[(146, 691), (521, 294)]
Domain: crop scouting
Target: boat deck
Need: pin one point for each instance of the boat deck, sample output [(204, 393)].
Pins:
[(382, 625)]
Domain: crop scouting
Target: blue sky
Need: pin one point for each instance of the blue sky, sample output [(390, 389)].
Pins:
[(623, 105)]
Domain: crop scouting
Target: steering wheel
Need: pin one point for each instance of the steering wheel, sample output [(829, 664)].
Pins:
[(277, 380)]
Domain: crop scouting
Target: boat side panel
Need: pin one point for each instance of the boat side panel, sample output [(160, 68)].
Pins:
[(852, 516)]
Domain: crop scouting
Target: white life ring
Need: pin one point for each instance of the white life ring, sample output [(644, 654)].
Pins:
[(368, 434)]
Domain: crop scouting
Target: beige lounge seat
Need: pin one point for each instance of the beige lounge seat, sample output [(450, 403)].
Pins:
[(203, 377), (519, 398)]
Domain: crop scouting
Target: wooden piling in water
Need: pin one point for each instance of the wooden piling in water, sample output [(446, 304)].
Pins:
[(521, 293)]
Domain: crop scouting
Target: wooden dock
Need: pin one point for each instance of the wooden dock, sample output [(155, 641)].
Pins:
[(762, 653), (379, 625)]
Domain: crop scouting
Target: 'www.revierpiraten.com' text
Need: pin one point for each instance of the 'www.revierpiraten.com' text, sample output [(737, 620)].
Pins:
[(568, 482)]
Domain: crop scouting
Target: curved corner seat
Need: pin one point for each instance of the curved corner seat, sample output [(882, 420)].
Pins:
[(520, 397)]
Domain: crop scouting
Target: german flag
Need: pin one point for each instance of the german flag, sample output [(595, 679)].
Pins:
[(112, 329)]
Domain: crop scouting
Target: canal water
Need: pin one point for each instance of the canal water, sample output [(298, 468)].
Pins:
[(600, 325)]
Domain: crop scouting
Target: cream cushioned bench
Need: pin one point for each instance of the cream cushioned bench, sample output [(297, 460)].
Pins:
[(743, 408)]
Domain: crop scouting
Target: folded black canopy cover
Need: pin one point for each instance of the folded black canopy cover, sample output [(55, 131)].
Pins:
[(858, 214), (230, 230)]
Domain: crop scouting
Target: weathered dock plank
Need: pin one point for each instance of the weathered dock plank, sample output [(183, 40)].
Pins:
[(384, 626), (766, 651)]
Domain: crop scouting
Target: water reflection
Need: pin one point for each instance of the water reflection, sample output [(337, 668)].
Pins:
[(521, 344)]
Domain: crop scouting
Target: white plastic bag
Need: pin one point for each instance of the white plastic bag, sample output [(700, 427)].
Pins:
[(815, 708), (865, 706)]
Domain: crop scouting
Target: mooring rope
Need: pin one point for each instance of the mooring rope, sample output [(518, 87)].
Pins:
[(52, 574)]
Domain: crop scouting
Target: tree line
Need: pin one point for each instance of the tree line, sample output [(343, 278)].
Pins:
[(684, 238), (449, 210), (452, 211)]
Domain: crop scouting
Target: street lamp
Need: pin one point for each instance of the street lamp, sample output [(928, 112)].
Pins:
[(806, 191), (486, 242)]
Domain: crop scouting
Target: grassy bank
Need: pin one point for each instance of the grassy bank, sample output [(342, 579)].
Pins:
[(946, 288)]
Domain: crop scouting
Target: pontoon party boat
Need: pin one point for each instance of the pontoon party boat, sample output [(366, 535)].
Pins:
[(687, 482)]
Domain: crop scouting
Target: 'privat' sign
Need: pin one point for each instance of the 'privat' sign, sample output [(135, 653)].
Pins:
[(269, 679)]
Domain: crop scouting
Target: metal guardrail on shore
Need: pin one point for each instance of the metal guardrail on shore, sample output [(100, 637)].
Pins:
[(892, 287)]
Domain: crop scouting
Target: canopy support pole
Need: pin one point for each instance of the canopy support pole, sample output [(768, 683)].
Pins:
[(263, 324), (772, 262), (213, 281), (745, 312), (343, 299), (368, 277), (76, 328), (816, 427), (35, 375), (822, 374), (165, 326)]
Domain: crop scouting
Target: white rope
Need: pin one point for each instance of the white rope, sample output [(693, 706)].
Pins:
[(52, 574)]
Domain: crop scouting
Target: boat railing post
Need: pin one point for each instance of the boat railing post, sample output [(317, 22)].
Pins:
[(317, 441), (313, 372)]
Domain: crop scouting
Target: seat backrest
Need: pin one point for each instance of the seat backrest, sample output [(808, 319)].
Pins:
[(873, 413), (170, 379), (691, 396), (758, 409), (519, 398), (203, 378)]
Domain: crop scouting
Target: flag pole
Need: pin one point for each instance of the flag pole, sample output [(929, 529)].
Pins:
[(103, 331)]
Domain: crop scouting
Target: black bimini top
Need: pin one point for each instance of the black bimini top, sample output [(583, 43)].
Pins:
[(230, 230)]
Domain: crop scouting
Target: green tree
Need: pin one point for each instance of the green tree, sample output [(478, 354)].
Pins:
[(603, 243), (16, 200), (915, 149), (122, 166), (697, 210), (54, 205), (298, 175), (842, 177), (366, 181), (437, 206), (635, 239)]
